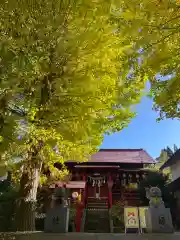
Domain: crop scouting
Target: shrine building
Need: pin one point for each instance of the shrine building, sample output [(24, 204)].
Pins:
[(110, 176)]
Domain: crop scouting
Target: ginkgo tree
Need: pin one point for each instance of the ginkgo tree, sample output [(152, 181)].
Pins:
[(63, 70), (152, 27)]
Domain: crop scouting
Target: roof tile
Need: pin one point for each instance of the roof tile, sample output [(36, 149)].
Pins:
[(122, 156)]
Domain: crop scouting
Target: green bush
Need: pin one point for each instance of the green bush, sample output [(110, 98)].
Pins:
[(117, 215)]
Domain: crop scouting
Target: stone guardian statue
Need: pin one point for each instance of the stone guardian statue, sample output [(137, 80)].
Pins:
[(158, 218)]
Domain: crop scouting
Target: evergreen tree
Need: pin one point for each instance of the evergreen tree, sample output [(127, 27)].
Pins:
[(156, 179)]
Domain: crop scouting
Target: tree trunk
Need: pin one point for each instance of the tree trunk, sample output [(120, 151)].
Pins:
[(26, 204)]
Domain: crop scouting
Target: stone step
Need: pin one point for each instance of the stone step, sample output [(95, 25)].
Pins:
[(96, 228), (97, 204), (97, 221), (96, 207), (100, 212), (97, 200)]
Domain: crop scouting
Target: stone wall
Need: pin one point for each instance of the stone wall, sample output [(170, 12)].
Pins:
[(87, 236)]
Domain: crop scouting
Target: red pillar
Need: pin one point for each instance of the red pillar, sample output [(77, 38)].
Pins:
[(84, 177), (110, 183), (79, 210), (85, 191)]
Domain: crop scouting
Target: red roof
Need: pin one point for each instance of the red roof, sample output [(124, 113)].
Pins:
[(121, 156)]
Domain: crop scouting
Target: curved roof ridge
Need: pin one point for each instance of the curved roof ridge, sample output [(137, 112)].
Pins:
[(121, 149), (119, 155)]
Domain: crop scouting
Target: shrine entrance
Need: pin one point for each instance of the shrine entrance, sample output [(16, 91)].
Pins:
[(96, 181), (97, 191)]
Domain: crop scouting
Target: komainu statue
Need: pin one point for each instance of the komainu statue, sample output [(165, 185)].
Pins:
[(155, 196), (158, 218)]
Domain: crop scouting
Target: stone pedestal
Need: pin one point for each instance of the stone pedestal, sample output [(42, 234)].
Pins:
[(57, 220), (158, 220)]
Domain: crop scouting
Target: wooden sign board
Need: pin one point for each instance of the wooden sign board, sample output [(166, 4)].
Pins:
[(131, 218), (142, 217)]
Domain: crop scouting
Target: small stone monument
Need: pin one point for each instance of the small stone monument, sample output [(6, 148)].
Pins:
[(158, 218), (57, 217)]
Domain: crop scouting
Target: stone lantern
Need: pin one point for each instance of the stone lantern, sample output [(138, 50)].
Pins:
[(57, 217)]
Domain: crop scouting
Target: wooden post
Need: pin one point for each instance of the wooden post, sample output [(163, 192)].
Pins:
[(110, 183)]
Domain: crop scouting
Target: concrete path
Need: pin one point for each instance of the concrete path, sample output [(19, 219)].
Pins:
[(87, 236)]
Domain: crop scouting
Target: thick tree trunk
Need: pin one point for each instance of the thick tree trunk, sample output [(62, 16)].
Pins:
[(26, 204)]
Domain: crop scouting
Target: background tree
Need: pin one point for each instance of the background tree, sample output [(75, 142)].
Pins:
[(165, 154), (65, 63), (156, 179)]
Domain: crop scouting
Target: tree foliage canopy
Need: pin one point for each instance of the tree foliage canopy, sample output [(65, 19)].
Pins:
[(61, 73), (71, 70), (152, 27), (63, 80)]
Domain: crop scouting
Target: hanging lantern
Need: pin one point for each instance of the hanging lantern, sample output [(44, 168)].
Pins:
[(129, 178), (137, 176), (93, 183), (123, 182), (143, 176), (99, 183), (75, 195)]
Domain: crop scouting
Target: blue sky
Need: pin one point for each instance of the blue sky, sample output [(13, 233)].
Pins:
[(144, 132)]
